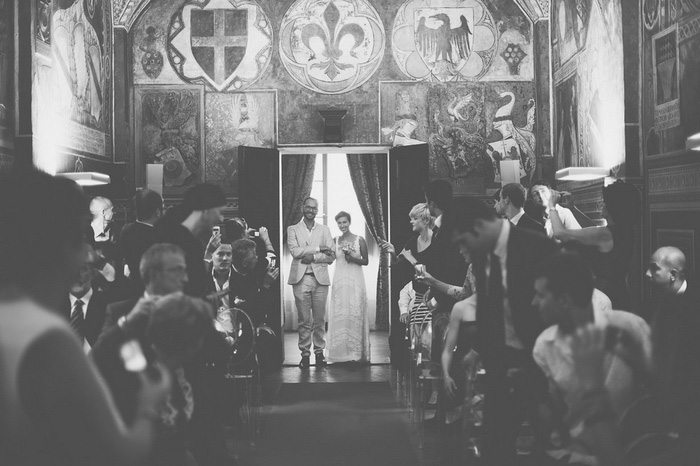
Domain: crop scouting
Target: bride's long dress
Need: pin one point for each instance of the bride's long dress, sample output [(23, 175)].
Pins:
[(348, 321)]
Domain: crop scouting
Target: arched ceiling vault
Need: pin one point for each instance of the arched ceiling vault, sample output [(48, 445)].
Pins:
[(125, 12)]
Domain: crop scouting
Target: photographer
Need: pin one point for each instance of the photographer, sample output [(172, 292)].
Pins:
[(549, 199), (171, 332)]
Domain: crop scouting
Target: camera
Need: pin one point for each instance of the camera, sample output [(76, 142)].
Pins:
[(216, 230), (252, 232)]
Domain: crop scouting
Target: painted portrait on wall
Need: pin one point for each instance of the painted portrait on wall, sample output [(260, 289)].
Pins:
[(444, 40), (168, 130), (566, 139), (666, 79), (221, 44), (233, 120), (331, 47), (81, 42)]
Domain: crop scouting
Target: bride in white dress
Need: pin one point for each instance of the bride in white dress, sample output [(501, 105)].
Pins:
[(348, 320)]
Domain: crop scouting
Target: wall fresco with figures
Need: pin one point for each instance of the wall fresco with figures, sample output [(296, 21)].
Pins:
[(670, 74), (403, 69), (588, 69)]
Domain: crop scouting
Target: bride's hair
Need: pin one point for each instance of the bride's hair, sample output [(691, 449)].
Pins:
[(342, 214)]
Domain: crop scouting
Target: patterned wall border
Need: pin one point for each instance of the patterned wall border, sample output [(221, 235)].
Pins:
[(675, 188)]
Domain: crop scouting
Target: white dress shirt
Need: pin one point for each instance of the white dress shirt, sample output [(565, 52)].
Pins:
[(567, 219), (516, 218)]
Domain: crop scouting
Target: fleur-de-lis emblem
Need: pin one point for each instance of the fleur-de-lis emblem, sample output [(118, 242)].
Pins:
[(331, 41)]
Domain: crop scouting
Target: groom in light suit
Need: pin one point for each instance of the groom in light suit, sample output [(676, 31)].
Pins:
[(311, 246)]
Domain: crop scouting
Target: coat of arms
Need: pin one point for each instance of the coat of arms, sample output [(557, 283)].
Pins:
[(223, 44)]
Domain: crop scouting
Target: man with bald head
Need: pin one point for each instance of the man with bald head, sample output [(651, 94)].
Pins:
[(676, 342)]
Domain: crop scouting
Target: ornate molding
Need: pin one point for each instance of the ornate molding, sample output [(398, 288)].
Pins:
[(675, 188)]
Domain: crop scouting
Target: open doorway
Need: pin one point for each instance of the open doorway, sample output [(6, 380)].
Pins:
[(332, 186)]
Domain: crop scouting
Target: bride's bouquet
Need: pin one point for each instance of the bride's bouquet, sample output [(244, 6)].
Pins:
[(347, 247)]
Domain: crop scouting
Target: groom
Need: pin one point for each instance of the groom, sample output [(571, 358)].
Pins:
[(311, 246)]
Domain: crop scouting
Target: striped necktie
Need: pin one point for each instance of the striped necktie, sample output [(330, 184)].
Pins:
[(77, 320)]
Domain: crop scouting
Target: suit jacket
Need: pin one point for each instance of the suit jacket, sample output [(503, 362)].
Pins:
[(299, 245), (530, 223), (117, 310), (134, 240), (446, 264), (258, 300), (675, 330), (94, 315), (526, 250)]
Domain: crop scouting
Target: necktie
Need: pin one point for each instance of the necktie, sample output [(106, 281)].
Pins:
[(77, 320)]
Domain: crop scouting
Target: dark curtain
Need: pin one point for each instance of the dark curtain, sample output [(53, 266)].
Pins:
[(369, 178), (297, 181)]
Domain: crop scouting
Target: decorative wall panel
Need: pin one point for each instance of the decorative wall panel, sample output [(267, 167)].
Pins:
[(220, 44), (169, 131), (331, 46), (233, 120)]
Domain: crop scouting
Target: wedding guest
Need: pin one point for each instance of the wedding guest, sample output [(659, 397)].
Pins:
[(612, 245), (135, 238), (675, 331), (55, 407), (542, 195)]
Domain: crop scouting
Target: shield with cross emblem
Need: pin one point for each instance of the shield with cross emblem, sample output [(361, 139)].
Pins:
[(220, 43), (219, 39)]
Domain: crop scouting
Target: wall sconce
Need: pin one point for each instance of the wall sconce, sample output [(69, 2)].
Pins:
[(85, 178), (581, 173), (693, 142)]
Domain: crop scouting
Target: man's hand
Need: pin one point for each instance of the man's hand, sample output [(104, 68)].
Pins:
[(307, 258), (326, 250), (271, 276), (264, 234), (403, 318)]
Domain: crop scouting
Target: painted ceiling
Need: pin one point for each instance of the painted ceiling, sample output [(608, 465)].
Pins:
[(125, 12)]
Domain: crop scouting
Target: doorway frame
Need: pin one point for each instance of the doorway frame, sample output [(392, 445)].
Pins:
[(296, 149)]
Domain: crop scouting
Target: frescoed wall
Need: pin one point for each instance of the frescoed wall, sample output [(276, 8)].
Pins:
[(356, 55), (670, 110), (7, 107), (72, 84), (589, 91)]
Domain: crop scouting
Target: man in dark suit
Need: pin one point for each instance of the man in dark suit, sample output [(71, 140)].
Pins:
[(446, 264), (86, 303), (505, 259), (676, 347), (510, 202), (137, 237), (163, 270), (233, 268)]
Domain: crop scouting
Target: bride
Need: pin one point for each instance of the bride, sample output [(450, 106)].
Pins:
[(348, 323)]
